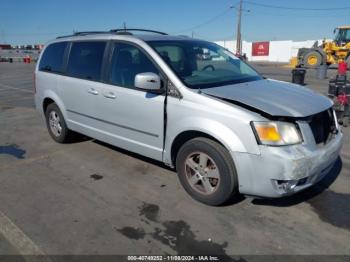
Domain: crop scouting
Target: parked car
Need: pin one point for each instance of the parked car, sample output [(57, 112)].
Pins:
[(219, 123)]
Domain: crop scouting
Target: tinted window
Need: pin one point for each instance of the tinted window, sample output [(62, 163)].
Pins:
[(127, 62), (85, 60), (52, 59)]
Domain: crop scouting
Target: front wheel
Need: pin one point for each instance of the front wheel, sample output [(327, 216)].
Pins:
[(206, 171), (313, 59)]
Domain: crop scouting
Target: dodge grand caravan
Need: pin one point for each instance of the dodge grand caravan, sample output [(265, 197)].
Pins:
[(192, 105)]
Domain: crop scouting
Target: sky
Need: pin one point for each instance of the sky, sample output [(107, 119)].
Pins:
[(38, 21)]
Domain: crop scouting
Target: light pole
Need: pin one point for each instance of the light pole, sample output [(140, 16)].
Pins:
[(239, 37)]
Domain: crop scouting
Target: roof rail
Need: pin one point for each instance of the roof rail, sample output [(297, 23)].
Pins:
[(91, 32), (126, 30), (84, 33)]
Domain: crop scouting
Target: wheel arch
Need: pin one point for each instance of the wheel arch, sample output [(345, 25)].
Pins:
[(185, 136), (51, 97), (193, 127), (47, 101)]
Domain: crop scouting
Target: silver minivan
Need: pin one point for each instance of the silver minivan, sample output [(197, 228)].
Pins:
[(192, 105)]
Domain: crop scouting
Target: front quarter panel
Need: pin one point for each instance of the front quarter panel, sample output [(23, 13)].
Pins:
[(228, 124)]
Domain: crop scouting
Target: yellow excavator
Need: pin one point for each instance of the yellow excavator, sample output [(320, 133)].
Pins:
[(328, 52)]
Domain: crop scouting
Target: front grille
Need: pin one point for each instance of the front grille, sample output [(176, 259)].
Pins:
[(322, 126)]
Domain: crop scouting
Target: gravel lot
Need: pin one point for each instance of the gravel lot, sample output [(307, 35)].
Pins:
[(92, 198)]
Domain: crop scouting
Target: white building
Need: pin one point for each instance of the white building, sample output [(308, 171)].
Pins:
[(279, 51)]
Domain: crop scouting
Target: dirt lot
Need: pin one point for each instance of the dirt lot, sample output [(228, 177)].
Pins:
[(91, 198)]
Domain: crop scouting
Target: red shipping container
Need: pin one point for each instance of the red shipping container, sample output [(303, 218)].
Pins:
[(260, 48)]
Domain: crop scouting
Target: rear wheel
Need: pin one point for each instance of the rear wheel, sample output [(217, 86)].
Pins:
[(56, 124), (313, 59), (206, 171)]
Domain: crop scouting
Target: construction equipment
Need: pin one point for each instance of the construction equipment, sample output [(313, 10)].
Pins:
[(339, 92), (329, 52)]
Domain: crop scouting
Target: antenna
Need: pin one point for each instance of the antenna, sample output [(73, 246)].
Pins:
[(124, 26)]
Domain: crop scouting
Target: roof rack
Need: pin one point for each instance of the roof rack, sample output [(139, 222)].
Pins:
[(91, 32), (124, 31), (127, 31), (84, 33)]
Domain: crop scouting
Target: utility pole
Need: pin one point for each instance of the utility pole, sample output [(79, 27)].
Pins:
[(239, 37)]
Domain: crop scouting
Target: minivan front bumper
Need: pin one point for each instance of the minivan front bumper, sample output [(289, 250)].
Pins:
[(282, 171)]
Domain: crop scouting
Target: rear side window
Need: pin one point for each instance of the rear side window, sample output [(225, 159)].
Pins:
[(85, 60), (52, 58)]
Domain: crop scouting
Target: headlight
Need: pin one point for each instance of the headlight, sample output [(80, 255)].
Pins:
[(277, 133)]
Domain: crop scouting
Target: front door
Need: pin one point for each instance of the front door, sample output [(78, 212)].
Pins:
[(132, 118)]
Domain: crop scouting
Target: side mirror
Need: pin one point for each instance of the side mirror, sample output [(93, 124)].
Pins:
[(148, 81)]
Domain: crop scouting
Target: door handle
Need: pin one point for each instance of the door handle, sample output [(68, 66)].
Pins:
[(110, 95), (93, 91)]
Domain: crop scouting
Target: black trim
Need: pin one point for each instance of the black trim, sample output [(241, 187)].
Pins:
[(66, 57), (136, 29), (165, 113), (111, 123), (106, 62)]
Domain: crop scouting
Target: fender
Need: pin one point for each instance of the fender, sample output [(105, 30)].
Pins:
[(219, 131), (48, 93)]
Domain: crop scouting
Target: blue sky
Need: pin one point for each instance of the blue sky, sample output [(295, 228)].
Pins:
[(37, 21)]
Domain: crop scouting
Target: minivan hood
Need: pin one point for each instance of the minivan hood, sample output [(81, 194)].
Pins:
[(275, 98)]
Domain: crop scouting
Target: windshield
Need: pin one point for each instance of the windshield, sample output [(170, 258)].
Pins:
[(343, 35), (201, 64)]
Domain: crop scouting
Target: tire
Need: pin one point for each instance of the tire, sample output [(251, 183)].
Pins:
[(312, 59), (216, 181), (57, 127)]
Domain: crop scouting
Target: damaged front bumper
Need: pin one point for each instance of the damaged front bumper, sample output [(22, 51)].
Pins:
[(281, 171)]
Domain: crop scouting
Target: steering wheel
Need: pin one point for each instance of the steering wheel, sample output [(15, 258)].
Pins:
[(207, 67)]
